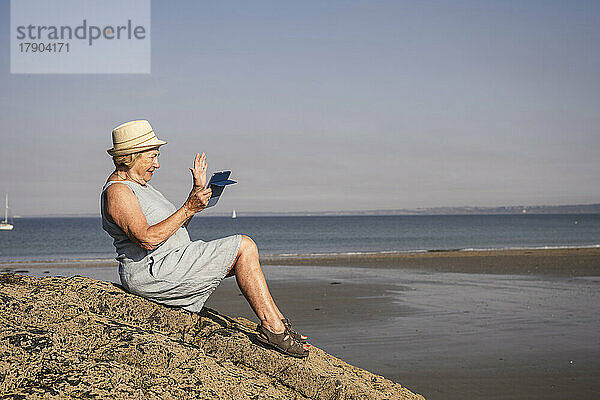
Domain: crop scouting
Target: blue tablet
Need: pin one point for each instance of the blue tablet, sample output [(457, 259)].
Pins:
[(217, 183)]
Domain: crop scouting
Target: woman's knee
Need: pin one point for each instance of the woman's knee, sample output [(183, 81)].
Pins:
[(248, 246)]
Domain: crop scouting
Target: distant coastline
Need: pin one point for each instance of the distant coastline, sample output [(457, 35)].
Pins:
[(467, 210)]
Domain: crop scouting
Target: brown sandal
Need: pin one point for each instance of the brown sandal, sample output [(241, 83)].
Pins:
[(283, 342), (295, 334)]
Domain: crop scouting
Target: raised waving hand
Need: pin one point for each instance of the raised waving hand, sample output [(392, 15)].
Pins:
[(199, 171)]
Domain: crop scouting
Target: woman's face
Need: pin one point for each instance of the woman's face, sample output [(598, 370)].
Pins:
[(144, 166)]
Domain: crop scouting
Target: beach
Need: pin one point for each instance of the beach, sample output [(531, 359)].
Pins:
[(516, 324)]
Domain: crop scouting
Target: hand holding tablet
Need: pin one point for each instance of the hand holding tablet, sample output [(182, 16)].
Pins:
[(217, 183)]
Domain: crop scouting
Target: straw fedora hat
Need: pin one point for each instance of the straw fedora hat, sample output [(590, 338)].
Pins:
[(133, 137)]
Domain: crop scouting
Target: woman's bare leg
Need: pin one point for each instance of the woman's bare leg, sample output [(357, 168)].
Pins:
[(253, 285)]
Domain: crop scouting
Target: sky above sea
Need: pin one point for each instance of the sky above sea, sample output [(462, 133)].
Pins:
[(337, 105)]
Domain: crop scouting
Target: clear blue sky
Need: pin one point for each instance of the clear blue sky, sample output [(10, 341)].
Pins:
[(349, 105)]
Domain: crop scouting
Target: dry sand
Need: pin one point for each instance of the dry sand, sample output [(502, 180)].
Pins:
[(81, 338)]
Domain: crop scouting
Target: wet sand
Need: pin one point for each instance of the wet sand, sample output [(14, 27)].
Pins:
[(446, 335), (514, 324), (562, 262)]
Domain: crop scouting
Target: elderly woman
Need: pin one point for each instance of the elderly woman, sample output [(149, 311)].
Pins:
[(157, 259)]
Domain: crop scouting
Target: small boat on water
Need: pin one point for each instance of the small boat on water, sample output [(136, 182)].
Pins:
[(233, 215), (4, 225)]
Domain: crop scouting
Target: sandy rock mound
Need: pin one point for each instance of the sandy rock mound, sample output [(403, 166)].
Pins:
[(82, 338)]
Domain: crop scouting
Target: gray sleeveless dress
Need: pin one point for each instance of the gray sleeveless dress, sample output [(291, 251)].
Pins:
[(179, 272)]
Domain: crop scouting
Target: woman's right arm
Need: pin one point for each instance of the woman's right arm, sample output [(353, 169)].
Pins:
[(124, 209)]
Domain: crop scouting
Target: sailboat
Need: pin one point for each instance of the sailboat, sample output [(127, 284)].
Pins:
[(4, 225), (233, 214)]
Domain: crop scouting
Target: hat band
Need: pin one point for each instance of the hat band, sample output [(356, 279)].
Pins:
[(147, 140), (135, 138)]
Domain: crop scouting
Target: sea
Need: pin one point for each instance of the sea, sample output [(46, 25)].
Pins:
[(73, 239)]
